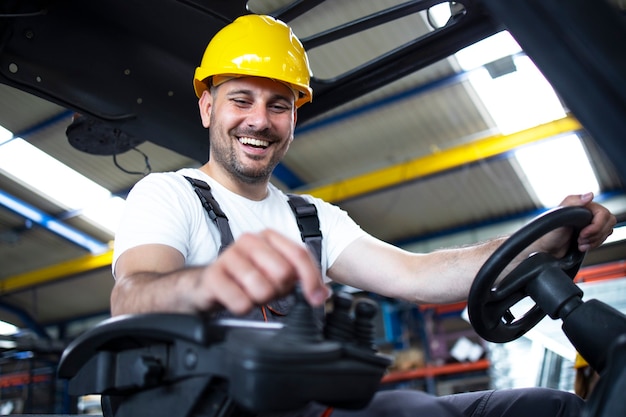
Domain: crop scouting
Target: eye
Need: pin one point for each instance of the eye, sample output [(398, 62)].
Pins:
[(279, 107), (241, 102)]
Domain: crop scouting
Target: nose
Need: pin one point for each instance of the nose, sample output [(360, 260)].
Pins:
[(258, 118)]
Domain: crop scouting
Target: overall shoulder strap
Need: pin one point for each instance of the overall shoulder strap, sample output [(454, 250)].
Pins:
[(309, 224), (203, 190), (305, 212)]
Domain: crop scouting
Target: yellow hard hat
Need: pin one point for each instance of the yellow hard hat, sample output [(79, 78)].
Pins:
[(259, 46)]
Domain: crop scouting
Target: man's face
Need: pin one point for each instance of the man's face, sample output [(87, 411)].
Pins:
[(251, 122)]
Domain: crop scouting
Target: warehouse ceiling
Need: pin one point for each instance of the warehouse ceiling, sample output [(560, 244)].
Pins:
[(396, 134)]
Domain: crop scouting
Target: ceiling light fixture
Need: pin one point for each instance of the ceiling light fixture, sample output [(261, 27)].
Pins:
[(48, 177)]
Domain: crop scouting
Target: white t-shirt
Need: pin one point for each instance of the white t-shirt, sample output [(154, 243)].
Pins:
[(163, 208)]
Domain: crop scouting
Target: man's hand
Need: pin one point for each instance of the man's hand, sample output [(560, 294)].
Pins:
[(590, 236), (255, 269)]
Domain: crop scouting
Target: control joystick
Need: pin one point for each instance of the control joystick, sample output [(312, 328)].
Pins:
[(352, 321), (339, 322), (364, 313), (301, 325)]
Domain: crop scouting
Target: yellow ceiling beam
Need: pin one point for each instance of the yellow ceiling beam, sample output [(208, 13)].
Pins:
[(55, 272), (351, 187), (439, 161)]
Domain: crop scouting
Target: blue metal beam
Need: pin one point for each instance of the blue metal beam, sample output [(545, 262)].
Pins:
[(26, 319), (52, 224), (37, 216), (43, 125)]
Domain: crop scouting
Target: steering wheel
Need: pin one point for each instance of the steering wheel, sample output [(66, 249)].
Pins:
[(489, 307)]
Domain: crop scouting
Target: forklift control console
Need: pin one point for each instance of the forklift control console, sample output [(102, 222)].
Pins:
[(177, 364)]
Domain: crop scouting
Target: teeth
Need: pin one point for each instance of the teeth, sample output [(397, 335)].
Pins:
[(254, 142)]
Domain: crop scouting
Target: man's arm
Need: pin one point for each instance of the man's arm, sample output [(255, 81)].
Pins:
[(446, 276), (443, 276), (254, 270)]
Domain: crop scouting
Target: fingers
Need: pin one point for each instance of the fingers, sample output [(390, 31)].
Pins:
[(598, 230), (258, 268), (601, 225), (306, 268), (577, 199)]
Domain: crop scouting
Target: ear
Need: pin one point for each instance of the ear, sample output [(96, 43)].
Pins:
[(293, 126), (205, 103)]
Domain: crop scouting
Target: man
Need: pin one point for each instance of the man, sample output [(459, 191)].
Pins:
[(253, 76)]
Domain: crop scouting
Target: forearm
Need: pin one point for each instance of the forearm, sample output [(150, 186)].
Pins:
[(442, 276), (446, 276), (150, 292), (255, 269), (458, 267)]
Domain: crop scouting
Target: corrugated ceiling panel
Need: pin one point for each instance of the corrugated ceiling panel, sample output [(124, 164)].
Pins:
[(608, 177), (10, 227), (21, 111), (344, 55), (402, 86), (35, 248), (24, 194), (63, 299), (394, 133), (333, 13), (455, 199)]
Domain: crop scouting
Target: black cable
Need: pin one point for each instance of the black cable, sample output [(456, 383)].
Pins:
[(145, 158)]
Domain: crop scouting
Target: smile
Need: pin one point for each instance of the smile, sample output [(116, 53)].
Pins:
[(257, 143)]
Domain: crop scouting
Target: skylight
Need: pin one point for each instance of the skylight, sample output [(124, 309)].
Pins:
[(518, 100), (49, 177), (619, 233), (488, 50), (555, 168), (7, 329), (513, 90), (38, 170), (517, 97)]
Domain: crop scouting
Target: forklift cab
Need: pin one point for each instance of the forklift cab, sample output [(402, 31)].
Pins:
[(146, 364)]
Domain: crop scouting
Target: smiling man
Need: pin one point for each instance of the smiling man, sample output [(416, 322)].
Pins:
[(251, 122), (170, 254)]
